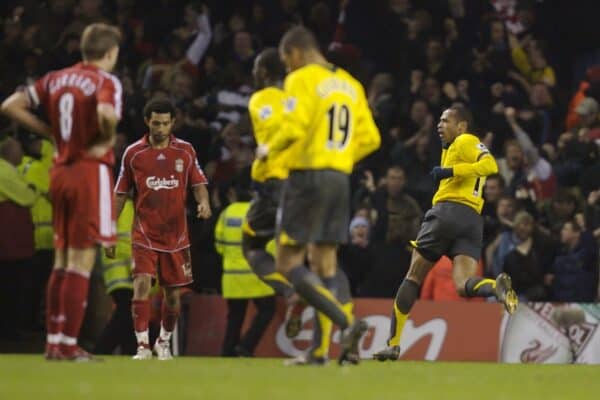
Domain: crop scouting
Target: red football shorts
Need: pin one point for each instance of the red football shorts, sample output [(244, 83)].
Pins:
[(171, 269), (82, 205)]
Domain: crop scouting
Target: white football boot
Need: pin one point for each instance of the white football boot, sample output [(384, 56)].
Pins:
[(143, 353), (163, 350)]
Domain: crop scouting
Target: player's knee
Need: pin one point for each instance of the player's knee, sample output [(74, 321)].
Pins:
[(323, 260), (142, 284), (81, 260), (288, 259), (59, 260)]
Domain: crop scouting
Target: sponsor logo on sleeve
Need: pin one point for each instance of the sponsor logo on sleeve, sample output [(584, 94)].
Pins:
[(265, 112), (482, 148), (290, 104)]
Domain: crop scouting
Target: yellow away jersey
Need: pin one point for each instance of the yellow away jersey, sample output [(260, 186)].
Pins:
[(471, 163), (327, 118), (266, 113)]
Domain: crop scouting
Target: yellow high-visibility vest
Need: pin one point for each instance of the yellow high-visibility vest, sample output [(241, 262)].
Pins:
[(117, 271), (37, 173), (238, 282)]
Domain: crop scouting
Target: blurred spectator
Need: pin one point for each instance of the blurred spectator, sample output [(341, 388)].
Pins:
[(562, 208), (526, 257), (533, 63), (535, 171), (418, 160), (592, 213), (576, 149), (35, 168), (574, 274), (592, 77), (355, 257), (118, 334), (381, 101), (492, 193), (492, 59), (589, 124), (16, 243), (398, 219), (240, 284)]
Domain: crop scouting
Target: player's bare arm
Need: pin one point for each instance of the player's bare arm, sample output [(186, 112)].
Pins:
[(18, 108), (202, 198), (107, 121), (120, 199)]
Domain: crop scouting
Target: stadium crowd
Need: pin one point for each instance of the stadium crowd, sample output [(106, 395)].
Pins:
[(542, 210)]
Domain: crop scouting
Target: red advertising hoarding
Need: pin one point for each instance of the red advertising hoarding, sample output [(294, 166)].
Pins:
[(449, 331)]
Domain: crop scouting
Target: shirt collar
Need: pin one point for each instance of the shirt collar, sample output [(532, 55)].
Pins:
[(146, 140)]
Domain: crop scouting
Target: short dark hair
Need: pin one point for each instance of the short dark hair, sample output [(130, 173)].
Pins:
[(497, 177), (396, 167), (270, 61), (462, 114), (508, 197), (97, 39), (159, 105), (298, 37)]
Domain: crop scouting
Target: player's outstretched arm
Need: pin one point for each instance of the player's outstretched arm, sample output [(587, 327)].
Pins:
[(202, 198), (17, 108)]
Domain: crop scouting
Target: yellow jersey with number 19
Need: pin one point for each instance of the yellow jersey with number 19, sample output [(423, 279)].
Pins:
[(327, 119), (266, 113), (471, 162)]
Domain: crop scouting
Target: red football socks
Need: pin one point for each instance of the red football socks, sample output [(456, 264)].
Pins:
[(54, 308), (74, 294)]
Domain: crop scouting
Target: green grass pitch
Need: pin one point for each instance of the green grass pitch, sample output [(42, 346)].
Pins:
[(32, 378)]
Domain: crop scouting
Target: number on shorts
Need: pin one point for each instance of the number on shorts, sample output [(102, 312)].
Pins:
[(65, 106), (339, 121)]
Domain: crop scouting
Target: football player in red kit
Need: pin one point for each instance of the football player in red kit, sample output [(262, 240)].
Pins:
[(157, 171), (83, 105)]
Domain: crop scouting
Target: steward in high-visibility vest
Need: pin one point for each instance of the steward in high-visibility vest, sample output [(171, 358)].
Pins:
[(239, 284), (35, 170), (118, 332), (37, 173), (117, 271)]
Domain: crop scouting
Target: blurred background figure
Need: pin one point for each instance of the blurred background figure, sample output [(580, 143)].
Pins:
[(116, 272), (16, 236), (239, 283), (35, 168)]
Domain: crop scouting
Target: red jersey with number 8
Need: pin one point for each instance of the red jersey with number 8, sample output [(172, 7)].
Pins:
[(70, 98)]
